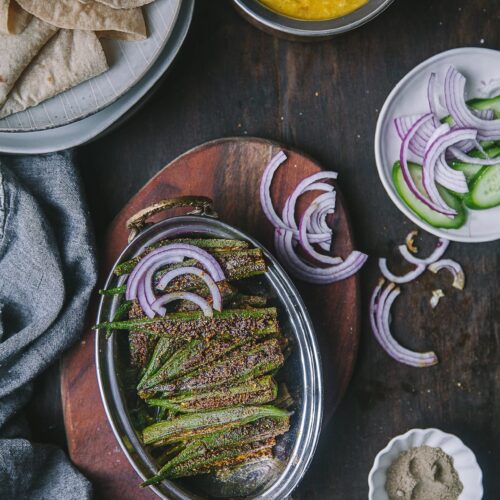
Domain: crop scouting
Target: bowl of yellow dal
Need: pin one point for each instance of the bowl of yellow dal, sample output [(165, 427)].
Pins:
[(313, 19)]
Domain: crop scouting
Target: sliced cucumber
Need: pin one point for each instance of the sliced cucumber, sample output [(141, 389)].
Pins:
[(492, 103), (421, 209), (470, 170), (485, 190)]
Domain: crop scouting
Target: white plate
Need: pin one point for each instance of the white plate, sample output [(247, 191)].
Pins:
[(128, 63), (79, 132), (464, 461), (480, 66)]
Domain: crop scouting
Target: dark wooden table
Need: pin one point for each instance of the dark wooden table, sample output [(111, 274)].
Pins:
[(324, 98)]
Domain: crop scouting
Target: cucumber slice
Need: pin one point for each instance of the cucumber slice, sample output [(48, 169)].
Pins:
[(430, 216), (485, 190), (469, 169), (491, 103)]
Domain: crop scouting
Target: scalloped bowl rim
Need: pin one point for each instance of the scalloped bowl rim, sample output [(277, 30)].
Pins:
[(476, 482)]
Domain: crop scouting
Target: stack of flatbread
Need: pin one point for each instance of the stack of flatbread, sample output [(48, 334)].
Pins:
[(49, 46)]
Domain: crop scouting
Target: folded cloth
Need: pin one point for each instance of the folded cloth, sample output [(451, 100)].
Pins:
[(47, 273)]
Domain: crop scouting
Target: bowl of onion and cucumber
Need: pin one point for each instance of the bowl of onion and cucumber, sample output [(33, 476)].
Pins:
[(437, 145), (208, 364)]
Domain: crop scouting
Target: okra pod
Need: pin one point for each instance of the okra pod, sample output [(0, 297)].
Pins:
[(260, 430), (242, 364), (214, 459), (256, 391), (222, 457), (212, 245), (163, 350), (194, 355), (198, 424), (236, 322)]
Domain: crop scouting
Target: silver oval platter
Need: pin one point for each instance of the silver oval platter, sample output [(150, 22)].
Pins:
[(301, 373)]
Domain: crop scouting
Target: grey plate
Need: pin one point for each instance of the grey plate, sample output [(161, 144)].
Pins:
[(82, 131), (301, 373), (128, 63), (261, 15)]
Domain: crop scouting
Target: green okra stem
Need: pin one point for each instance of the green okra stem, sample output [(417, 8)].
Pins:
[(117, 290), (213, 245), (120, 313), (197, 424), (255, 391)]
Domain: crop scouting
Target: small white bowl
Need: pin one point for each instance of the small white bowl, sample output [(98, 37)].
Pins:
[(481, 67), (464, 461)]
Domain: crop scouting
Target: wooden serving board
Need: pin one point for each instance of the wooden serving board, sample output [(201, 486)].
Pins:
[(229, 172)]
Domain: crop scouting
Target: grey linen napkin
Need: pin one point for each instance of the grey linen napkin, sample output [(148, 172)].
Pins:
[(47, 272)]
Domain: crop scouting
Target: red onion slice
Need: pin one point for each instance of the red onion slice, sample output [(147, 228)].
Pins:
[(165, 254), (454, 93), (438, 252), (311, 274), (441, 140), (403, 156), (212, 286), (143, 300), (302, 187), (455, 269), (142, 267), (432, 97), (418, 143), (450, 178), (406, 278), (380, 306), (267, 204), (312, 229), (324, 200), (265, 190), (140, 281), (460, 155), (158, 304)]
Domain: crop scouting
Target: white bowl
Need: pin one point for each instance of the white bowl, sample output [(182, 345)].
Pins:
[(464, 461), (409, 97)]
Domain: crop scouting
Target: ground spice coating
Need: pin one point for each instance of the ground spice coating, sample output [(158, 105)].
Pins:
[(256, 391), (423, 473), (233, 322), (244, 363)]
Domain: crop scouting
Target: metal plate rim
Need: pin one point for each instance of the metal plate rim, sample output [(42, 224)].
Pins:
[(313, 419)]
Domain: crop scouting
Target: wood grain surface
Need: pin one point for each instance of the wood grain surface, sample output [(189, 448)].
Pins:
[(228, 171), (324, 98)]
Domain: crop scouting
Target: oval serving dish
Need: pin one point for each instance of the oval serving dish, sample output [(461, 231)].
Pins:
[(300, 29), (301, 373)]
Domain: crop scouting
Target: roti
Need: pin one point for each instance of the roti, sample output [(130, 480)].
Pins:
[(94, 16), (17, 51), (13, 19), (70, 58)]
